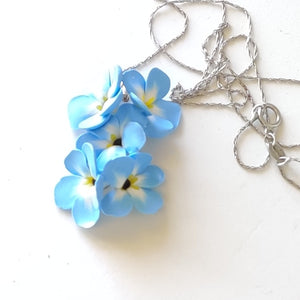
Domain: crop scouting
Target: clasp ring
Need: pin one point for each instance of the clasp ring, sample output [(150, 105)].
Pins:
[(269, 121)]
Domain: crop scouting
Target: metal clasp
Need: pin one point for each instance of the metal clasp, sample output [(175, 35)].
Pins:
[(268, 115), (270, 119), (278, 154)]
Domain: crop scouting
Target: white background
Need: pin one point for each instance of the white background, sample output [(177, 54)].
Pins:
[(223, 233)]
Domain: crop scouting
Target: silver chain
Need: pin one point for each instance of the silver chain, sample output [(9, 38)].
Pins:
[(219, 76)]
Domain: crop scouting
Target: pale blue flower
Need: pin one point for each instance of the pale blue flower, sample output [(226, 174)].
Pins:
[(130, 182), (121, 135), (83, 190), (89, 111), (163, 116)]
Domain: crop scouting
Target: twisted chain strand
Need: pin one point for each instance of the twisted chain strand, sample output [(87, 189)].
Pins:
[(218, 76)]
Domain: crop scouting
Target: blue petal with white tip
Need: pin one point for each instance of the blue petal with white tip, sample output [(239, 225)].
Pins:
[(158, 127), (158, 82), (81, 108), (152, 177), (134, 82), (86, 210), (89, 153), (168, 110), (130, 113), (76, 163), (89, 137), (142, 161), (147, 201), (117, 203), (108, 155), (65, 192), (94, 121), (133, 138), (115, 77)]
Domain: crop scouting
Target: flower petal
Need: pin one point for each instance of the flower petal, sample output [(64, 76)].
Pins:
[(134, 82), (76, 163), (81, 108), (115, 75), (140, 104), (158, 127), (93, 139), (146, 201), (94, 121), (152, 177), (86, 211), (130, 113), (103, 135), (99, 185), (117, 203), (109, 154), (167, 110), (111, 127), (142, 161), (158, 83), (89, 152), (133, 138), (111, 104), (117, 171), (65, 192), (105, 83)]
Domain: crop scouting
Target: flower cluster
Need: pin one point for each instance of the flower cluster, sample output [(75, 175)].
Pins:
[(109, 174)]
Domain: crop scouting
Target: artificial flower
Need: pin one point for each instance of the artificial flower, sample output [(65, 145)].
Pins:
[(108, 173), (120, 136), (163, 116), (89, 111), (82, 191), (130, 182)]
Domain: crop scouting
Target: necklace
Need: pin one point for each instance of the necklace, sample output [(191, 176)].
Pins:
[(110, 174)]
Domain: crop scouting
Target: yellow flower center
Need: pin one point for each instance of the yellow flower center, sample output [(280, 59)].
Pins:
[(100, 106), (89, 180), (148, 102), (114, 141), (130, 182)]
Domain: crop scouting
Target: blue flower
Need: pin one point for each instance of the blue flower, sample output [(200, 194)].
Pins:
[(130, 182), (120, 136), (82, 191), (89, 111), (163, 116)]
